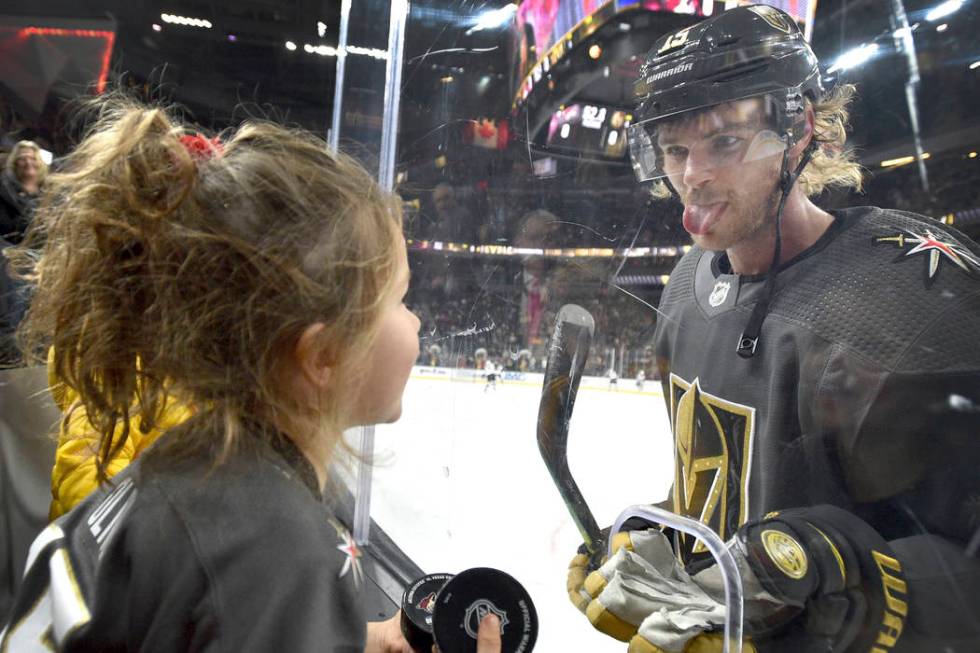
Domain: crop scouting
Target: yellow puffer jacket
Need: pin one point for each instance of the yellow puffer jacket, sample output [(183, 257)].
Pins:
[(74, 475)]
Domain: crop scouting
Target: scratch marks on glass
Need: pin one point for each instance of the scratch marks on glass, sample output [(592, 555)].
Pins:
[(527, 136), (584, 226), (408, 78), (471, 331), (456, 344), (429, 53), (636, 234), (407, 149), (645, 303)]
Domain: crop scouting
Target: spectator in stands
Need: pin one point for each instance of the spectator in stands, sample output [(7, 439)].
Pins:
[(537, 230), (20, 184), (454, 223)]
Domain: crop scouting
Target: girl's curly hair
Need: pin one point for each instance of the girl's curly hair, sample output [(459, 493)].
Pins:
[(168, 272)]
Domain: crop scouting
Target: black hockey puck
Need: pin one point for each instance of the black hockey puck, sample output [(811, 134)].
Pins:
[(471, 595), (418, 606)]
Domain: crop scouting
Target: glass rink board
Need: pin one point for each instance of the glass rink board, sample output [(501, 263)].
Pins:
[(769, 214)]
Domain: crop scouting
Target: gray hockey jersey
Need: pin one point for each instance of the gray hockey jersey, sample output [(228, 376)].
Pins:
[(864, 392), (182, 557)]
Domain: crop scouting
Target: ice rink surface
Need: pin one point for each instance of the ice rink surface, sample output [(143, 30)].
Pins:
[(459, 483)]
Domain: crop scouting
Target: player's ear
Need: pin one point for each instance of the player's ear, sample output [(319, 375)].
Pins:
[(797, 150), (311, 358)]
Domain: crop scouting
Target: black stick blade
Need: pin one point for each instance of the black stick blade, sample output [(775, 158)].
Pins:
[(568, 351)]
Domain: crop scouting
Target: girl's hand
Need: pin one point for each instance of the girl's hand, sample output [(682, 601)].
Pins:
[(386, 636), (487, 638)]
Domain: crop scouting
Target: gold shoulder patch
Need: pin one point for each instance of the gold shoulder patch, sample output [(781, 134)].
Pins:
[(785, 552)]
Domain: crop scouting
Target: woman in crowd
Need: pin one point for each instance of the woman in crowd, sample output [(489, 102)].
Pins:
[(20, 184)]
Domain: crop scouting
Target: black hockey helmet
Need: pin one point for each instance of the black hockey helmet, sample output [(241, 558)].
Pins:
[(741, 53)]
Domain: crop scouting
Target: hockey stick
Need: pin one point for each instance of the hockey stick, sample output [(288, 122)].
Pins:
[(567, 354)]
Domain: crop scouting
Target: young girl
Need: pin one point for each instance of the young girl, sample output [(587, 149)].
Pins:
[(259, 280)]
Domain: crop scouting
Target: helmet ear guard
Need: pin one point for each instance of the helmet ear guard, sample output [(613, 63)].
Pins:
[(793, 117)]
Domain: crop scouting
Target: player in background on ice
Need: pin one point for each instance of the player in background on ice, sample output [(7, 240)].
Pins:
[(809, 361), (641, 376), (490, 371), (613, 379), (162, 277)]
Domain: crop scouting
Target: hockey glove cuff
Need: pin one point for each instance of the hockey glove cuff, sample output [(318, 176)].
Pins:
[(834, 568)]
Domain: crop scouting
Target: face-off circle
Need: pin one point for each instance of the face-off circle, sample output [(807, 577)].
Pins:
[(418, 607), (473, 594)]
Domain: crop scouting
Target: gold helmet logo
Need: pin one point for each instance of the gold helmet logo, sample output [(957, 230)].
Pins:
[(773, 17), (785, 552)]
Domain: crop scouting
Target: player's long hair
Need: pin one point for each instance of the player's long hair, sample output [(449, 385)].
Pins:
[(832, 164), (170, 272)]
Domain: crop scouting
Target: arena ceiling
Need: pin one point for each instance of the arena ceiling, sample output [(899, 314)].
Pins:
[(241, 62)]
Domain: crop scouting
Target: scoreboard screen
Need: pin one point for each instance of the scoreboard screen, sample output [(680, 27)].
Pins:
[(547, 30), (543, 24), (589, 128)]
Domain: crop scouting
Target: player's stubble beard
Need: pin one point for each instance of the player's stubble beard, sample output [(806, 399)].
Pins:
[(746, 220)]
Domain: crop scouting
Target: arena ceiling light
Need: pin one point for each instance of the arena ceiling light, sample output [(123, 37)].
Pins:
[(944, 9), (368, 52), (186, 21), (855, 57), (322, 50), (901, 161), (493, 18), (330, 51)]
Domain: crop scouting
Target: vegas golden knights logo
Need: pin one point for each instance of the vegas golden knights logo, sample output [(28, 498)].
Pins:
[(712, 458), (773, 17)]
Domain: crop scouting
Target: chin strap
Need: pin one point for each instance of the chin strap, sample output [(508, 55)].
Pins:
[(748, 342)]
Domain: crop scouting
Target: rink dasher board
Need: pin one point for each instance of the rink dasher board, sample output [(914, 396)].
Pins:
[(531, 379)]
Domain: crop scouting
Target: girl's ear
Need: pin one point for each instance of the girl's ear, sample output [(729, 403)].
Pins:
[(311, 358)]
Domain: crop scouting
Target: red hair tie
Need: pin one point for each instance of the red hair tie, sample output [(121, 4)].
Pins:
[(201, 147)]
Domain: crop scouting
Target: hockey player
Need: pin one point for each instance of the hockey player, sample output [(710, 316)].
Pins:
[(809, 361), (490, 370), (613, 379), (160, 279), (641, 376)]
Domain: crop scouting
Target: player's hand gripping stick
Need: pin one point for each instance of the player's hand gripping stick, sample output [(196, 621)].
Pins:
[(731, 578), (567, 354)]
